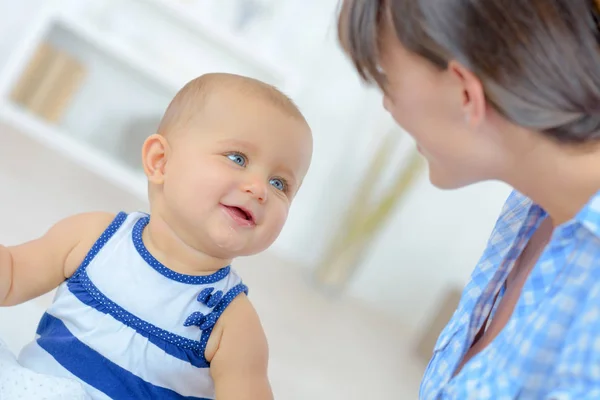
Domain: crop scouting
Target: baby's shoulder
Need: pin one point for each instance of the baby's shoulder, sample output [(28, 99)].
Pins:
[(240, 310), (88, 227), (239, 323), (91, 223)]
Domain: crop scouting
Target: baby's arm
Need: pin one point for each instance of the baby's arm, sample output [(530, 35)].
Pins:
[(31, 269), (239, 364)]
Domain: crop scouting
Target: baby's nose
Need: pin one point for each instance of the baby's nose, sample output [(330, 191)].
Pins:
[(257, 189)]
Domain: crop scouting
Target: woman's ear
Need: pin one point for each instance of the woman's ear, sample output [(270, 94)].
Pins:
[(154, 158), (474, 101)]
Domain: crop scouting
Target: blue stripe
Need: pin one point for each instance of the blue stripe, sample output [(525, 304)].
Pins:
[(175, 345), (94, 369)]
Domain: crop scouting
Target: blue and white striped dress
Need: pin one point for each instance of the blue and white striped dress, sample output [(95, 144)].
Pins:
[(127, 327)]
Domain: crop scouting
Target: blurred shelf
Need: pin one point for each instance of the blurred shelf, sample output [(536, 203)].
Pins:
[(120, 51), (82, 154), (203, 27), (37, 29)]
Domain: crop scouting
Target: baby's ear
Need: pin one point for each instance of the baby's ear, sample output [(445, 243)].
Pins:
[(154, 158)]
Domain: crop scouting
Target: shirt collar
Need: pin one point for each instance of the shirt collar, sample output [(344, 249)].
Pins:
[(589, 215)]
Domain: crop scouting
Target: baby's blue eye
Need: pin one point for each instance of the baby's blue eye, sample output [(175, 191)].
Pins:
[(278, 184), (237, 158)]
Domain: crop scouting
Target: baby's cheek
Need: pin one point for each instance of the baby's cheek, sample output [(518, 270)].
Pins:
[(277, 221), (283, 214)]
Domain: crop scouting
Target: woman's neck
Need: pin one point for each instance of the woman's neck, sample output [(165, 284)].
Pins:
[(559, 178)]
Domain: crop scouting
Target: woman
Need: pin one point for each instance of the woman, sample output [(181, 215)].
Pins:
[(504, 90)]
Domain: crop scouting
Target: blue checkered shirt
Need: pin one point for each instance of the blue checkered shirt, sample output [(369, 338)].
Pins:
[(550, 347)]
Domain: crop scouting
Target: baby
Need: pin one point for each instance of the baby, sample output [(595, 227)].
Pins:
[(147, 306)]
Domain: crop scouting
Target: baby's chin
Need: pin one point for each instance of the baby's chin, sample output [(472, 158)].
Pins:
[(232, 244)]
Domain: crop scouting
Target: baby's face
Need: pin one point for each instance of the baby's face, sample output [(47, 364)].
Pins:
[(231, 180)]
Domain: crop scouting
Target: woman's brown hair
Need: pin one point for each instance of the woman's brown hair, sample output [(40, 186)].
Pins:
[(538, 60)]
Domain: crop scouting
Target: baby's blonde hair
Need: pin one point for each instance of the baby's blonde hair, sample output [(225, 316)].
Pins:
[(190, 100)]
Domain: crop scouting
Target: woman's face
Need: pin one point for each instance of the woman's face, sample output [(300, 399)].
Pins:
[(444, 111)]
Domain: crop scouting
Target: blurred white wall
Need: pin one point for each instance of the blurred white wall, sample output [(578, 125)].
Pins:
[(430, 245), (14, 17), (432, 241)]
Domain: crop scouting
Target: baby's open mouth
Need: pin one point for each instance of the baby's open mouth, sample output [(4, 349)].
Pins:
[(240, 214)]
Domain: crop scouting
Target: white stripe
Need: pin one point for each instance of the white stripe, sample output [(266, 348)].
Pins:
[(38, 360), (125, 347)]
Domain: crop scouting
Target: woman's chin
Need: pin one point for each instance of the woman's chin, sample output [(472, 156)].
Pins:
[(443, 179)]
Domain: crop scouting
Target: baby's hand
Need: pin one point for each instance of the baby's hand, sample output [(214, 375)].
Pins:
[(239, 364)]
